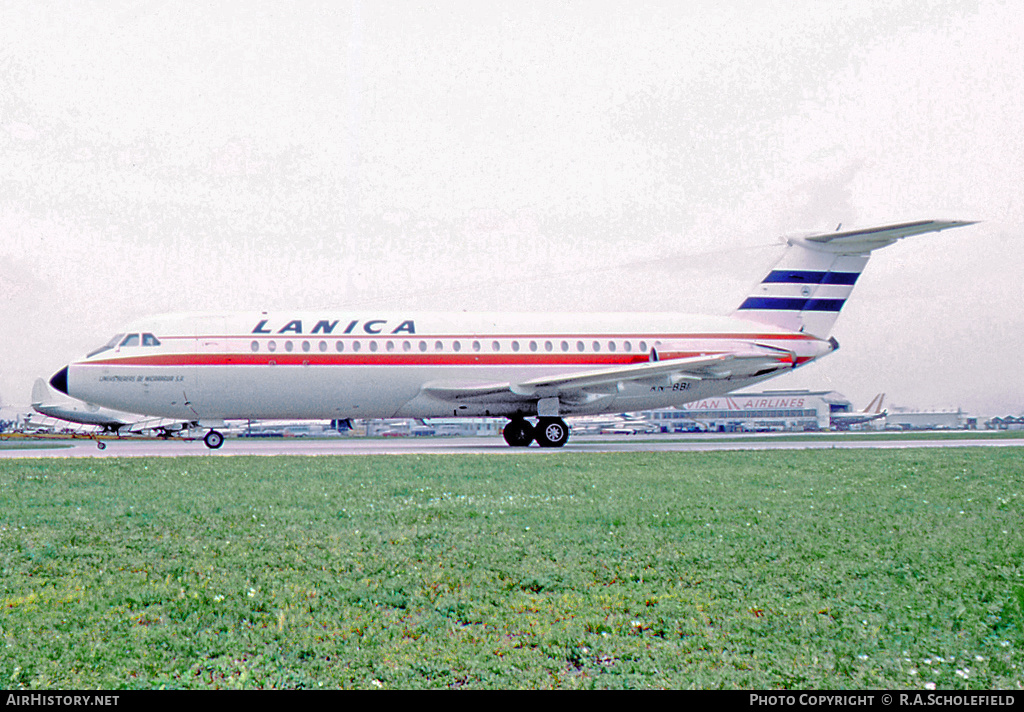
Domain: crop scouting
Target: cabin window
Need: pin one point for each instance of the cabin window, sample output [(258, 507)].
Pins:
[(628, 346), (495, 346), (438, 346), (288, 346), (406, 346), (150, 340), (305, 346), (272, 346), (643, 345), (131, 340), (373, 346), (611, 345), (533, 346), (565, 346), (423, 346), (391, 346), (548, 346), (515, 345), (323, 346), (356, 345), (597, 346), (457, 346), (580, 346), (339, 346), (476, 345), (255, 345)]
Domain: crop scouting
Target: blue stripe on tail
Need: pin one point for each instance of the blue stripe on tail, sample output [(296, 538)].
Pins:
[(793, 276), (793, 304)]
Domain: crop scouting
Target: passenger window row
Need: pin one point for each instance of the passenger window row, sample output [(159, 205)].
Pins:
[(456, 345)]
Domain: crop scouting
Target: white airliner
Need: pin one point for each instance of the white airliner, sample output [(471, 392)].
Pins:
[(208, 368)]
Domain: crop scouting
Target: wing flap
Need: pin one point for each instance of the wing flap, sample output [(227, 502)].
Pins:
[(683, 368)]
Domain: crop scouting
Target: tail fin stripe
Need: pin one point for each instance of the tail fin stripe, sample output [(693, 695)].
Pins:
[(793, 304), (810, 277), (849, 278), (824, 305)]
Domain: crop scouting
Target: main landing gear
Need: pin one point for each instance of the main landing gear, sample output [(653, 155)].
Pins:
[(548, 432)]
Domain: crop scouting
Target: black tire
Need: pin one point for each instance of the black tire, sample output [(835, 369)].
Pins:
[(552, 432), (101, 445), (518, 433), (213, 440)]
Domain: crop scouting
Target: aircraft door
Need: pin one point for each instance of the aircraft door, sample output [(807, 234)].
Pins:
[(209, 349)]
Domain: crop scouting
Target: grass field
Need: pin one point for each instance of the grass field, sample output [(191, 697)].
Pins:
[(807, 569)]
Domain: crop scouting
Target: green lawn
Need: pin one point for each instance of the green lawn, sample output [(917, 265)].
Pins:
[(808, 569)]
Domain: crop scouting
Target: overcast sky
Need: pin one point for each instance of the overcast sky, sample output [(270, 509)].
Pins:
[(526, 156)]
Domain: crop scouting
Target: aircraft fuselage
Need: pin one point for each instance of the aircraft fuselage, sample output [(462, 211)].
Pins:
[(259, 365)]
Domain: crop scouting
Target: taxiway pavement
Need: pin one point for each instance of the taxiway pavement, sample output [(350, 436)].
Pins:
[(130, 447)]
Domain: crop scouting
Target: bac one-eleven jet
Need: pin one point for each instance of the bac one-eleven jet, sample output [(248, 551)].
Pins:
[(208, 368)]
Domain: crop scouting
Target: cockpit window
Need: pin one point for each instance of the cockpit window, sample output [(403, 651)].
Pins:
[(131, 340), (150, 340), (107, 346)]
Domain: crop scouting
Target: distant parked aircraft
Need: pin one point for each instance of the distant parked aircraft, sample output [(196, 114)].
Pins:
[(63, 407), (873, 411)]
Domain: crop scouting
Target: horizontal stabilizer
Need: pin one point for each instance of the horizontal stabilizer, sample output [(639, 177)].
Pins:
[(859, 242)]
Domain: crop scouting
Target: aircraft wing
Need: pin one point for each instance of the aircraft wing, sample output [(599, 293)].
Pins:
[(579, 388)]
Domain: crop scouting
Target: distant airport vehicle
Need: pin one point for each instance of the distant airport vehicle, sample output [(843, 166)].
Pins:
[(208, 368)]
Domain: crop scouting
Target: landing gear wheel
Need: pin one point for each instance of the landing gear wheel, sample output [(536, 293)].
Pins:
[(552, 432), (518, 433), (101, 445), (213, 440)]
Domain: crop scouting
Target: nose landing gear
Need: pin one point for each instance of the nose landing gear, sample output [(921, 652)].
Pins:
[(213, 440)]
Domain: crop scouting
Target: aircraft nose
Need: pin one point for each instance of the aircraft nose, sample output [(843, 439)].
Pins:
[(59, 381)]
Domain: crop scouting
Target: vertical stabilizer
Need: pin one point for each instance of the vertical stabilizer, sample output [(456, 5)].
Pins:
[(40, 393), (875, 406), (808, 287)]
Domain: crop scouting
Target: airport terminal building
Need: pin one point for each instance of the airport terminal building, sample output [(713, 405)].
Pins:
[(765, 411)]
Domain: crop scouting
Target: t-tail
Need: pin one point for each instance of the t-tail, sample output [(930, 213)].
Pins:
[(808, 287)]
